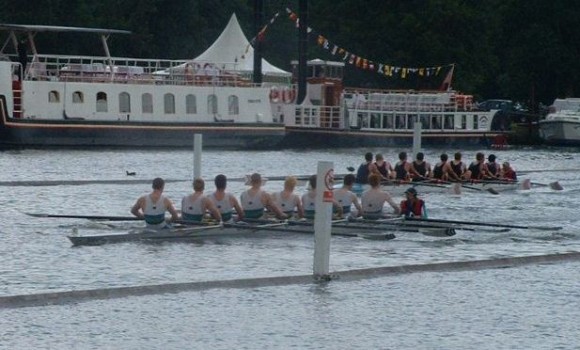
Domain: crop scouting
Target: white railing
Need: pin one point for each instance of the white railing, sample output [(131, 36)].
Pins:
[(319, 117), (132, 70)]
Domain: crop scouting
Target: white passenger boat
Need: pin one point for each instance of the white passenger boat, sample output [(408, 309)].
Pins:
[(89, 101), (561, 127)]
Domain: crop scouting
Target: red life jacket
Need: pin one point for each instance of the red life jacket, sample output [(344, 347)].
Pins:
[(416, 209)]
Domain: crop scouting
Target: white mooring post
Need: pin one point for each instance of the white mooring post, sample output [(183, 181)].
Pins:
[(197, 148), (416, 136), (322, 219)]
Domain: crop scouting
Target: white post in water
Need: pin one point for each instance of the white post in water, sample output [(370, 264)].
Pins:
[(416, 136), (322, 219), (197, 145)]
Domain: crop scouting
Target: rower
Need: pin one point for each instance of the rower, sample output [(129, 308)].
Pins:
[(152, 207), (508, 173), (492, 168), (194, 206), (287, 200), (455, 170), (420, 169), (374, 199), (309, 201), (383, 167), (438, 172), (255, 200), (476, 170), (413, 207), (224, 201), (346, 198), (365, 169), (402, 168)]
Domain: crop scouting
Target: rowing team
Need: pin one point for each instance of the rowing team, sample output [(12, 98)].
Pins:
[(255, 203), (445, 170)]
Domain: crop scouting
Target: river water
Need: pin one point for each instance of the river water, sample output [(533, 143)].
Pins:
[(529, 307)]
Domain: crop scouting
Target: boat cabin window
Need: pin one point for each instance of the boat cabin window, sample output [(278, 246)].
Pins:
[(102, 102), (400, 121), (411, 121), (233, 105), (124, 102), (448, 122), (212, 106), (147, 103), (53, 97), (190, 104), (375, 120), (77, 97), (463, 121), (388, 121), (436, 122), (169, 103)]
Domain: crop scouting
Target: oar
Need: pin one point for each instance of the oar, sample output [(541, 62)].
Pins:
[(548, 171), (553, 185), (335, 223), (474, 223), (410, 223), (88, 217), (488, 189)]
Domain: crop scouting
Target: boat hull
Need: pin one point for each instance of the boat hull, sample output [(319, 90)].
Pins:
[(38, 133), (560, 132), (196, 233), (297, 137)]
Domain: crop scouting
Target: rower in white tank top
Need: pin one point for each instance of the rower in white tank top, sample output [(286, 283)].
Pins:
[(287, 204), (154, 213), (224, 205), (309, 203), (192, 208), (252, 204)]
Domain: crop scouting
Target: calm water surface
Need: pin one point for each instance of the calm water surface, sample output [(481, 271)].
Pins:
[(532, 307)]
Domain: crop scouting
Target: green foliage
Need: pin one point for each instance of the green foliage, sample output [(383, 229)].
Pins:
[(523, 50)]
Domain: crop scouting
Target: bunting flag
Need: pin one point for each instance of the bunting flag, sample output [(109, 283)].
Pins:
[(446, 85), (380, 68), (261, 34)]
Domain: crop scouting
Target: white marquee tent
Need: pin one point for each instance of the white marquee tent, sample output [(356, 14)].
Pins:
[(232, 51)]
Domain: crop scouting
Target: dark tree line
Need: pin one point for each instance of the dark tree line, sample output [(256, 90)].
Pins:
[(521, 50)]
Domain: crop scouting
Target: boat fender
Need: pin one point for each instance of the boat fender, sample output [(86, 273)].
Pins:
[(274, 94)]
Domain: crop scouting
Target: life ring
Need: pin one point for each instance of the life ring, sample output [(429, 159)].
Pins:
[(274, 94), (288, 95)]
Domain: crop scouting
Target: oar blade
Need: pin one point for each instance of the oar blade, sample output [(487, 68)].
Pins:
[(377, 236), (492, 191), (556, 186)]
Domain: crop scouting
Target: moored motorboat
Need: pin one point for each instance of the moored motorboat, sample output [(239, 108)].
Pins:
[(561, 127)]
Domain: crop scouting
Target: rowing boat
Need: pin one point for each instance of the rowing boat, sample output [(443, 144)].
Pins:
[(398, 188), (231, 230)]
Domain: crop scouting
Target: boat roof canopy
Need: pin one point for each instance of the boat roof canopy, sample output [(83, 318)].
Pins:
[(41, 28)]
